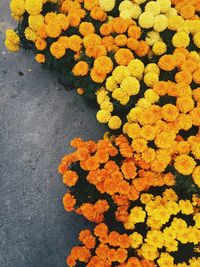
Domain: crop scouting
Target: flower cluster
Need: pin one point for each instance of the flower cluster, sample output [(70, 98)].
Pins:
[(172, 224)]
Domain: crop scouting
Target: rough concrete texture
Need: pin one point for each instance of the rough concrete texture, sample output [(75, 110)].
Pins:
[(38, 118)]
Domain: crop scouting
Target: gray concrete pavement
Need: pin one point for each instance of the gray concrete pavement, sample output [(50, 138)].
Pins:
[(38, 118)]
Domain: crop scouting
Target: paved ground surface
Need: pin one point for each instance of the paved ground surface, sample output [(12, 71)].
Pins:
[(38, 118)]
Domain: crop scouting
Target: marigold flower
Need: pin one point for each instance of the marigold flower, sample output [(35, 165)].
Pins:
[(75, 43), (123, 56), (40, 58), (184, 164), (97, 13), (167, 62), (69, 202)]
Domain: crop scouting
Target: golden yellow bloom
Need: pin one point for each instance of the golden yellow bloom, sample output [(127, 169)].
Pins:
[(12, 41), (184, 164), (33, 7), (114, 123)]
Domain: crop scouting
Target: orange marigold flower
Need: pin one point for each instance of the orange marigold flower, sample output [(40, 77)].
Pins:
[(185, 104), (106, 29), (40, 58), (90, 4), (81, 69), (183, 76), (142, 49), (98, 13), (103, 64), (167, 62), (161, 88), (129, 170), (70, 178), (101, 230), (97, 77), (119, 25), (74, 19), (187, 11), (86, 28), (121, 255), (71, 261), (184, 164), (92, 40), (134, 262), (90, 164), (134, 32), (102, 156), (96, 51), (40, 44), (84, 254), (132, 43), (123, 56), (121, 40), (75, 43), (57, 50), (69, 202), (169, 112), (102, 251)]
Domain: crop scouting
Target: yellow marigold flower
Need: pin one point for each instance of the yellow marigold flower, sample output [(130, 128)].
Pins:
[(181, 39), (139, 145), (169, 112), (145, 198), (159, 48), (81, 69), (136, 68), (133, 114), (103, 116), (160, 23), (130, 85), (161, 214), (133, 130), (175, 22), (120, 73), (125, 5), (197, 220), (186, 207), (148, 132), (143, 103), (35, 21), (152, 37), (102, 95), (155, 238), (150, 78), (33, 7), (165, 139), (151, 96), (107, 105), (107, 5), (170, 194), (40, 58), (135, 11), (185, 104), (146, 20), (195, 116), (12, 41), (114, 123), (111, 84), (30, 34), (57, 50), (153, 7), (149, 155), (196, 39), (149, 252), (165, 5), (137, 215), (184, 164), (196, 176), (136, 240), (165, 260), (173, 207), (17, 7), (152, 67)]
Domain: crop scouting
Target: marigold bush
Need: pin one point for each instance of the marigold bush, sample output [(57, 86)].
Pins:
[(138, 62)]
